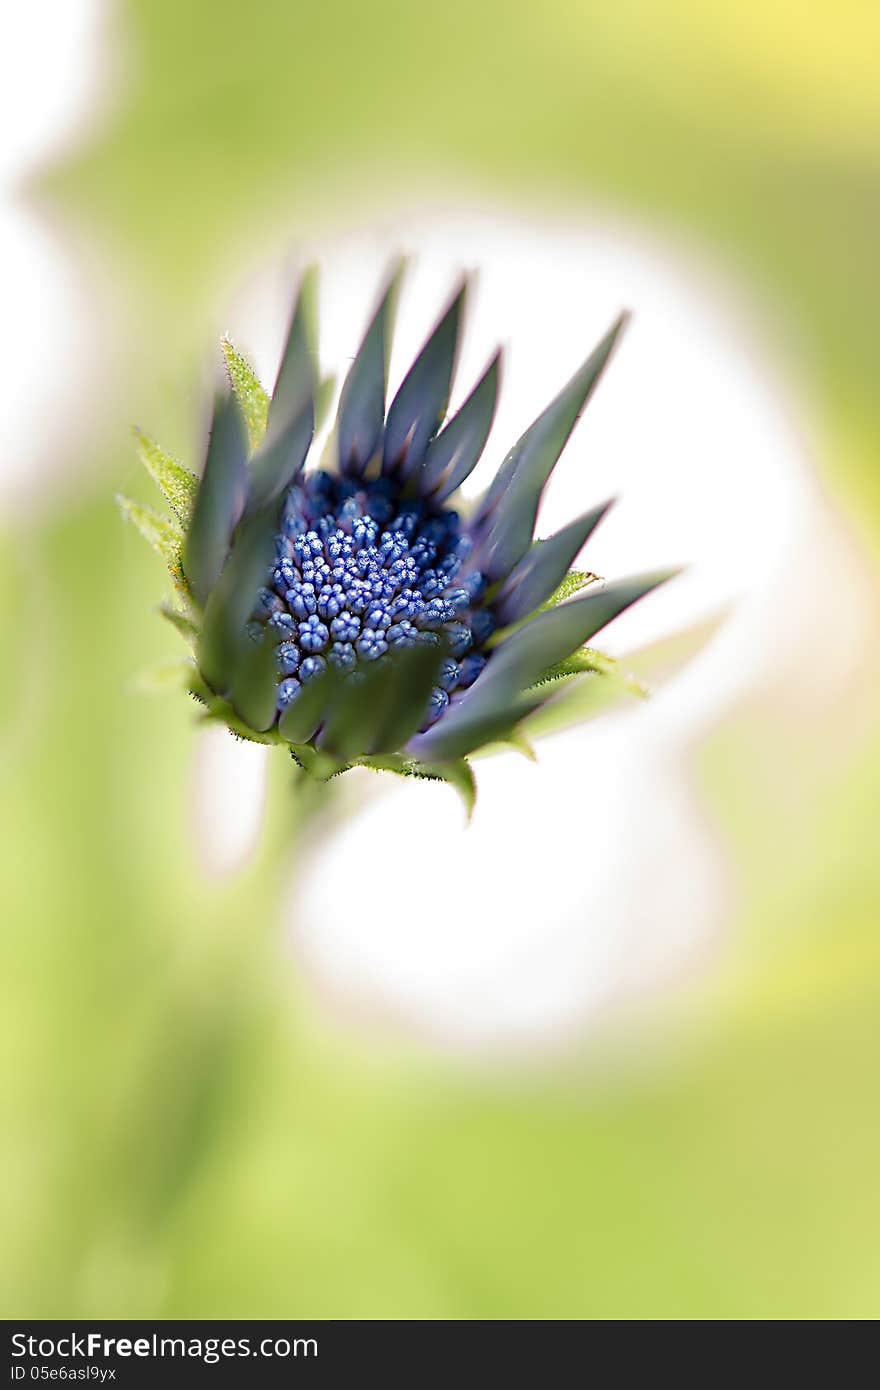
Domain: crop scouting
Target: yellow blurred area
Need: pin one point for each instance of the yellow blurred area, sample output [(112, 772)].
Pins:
[(794, 76)]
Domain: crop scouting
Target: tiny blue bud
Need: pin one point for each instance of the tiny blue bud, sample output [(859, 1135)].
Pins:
[(475, 584), (437, 611), (287, 657), (458, 637), (301, 600), (313, 635), (482, 625), (330, 601), (342, 655), (402, 635), (458, 600), (371, 645), (431, 582), (282, 626), (312, 666), (437, 704), (378, 617), (286, 692), (346, 627), (471, 667), (449, 672)]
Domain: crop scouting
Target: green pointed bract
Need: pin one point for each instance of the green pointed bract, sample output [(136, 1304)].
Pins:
[(296, 382), (291, 412), (318, 766), (464, 729), (253, 400), (159, 680), (160, 532), (278, 460), (637, 673), (576, 701), (348, 715), (571, 584), (181, 621), (411, 677), (361, 416), (324, 400), (382, 707), (455, 452), (507, 515), (538, 575), (303, 716), (176, 483), (255, 684), (522, 659), (233, 599), (458, 775), (419, 406), (586, 660), (219, 500)]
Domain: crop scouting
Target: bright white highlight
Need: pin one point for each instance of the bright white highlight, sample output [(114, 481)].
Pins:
[(52, 68), (228, 800)]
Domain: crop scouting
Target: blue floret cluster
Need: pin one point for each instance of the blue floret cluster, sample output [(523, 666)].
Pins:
[(358, 573)]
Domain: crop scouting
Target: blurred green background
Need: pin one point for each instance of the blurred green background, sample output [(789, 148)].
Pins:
[(185, 1134)]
